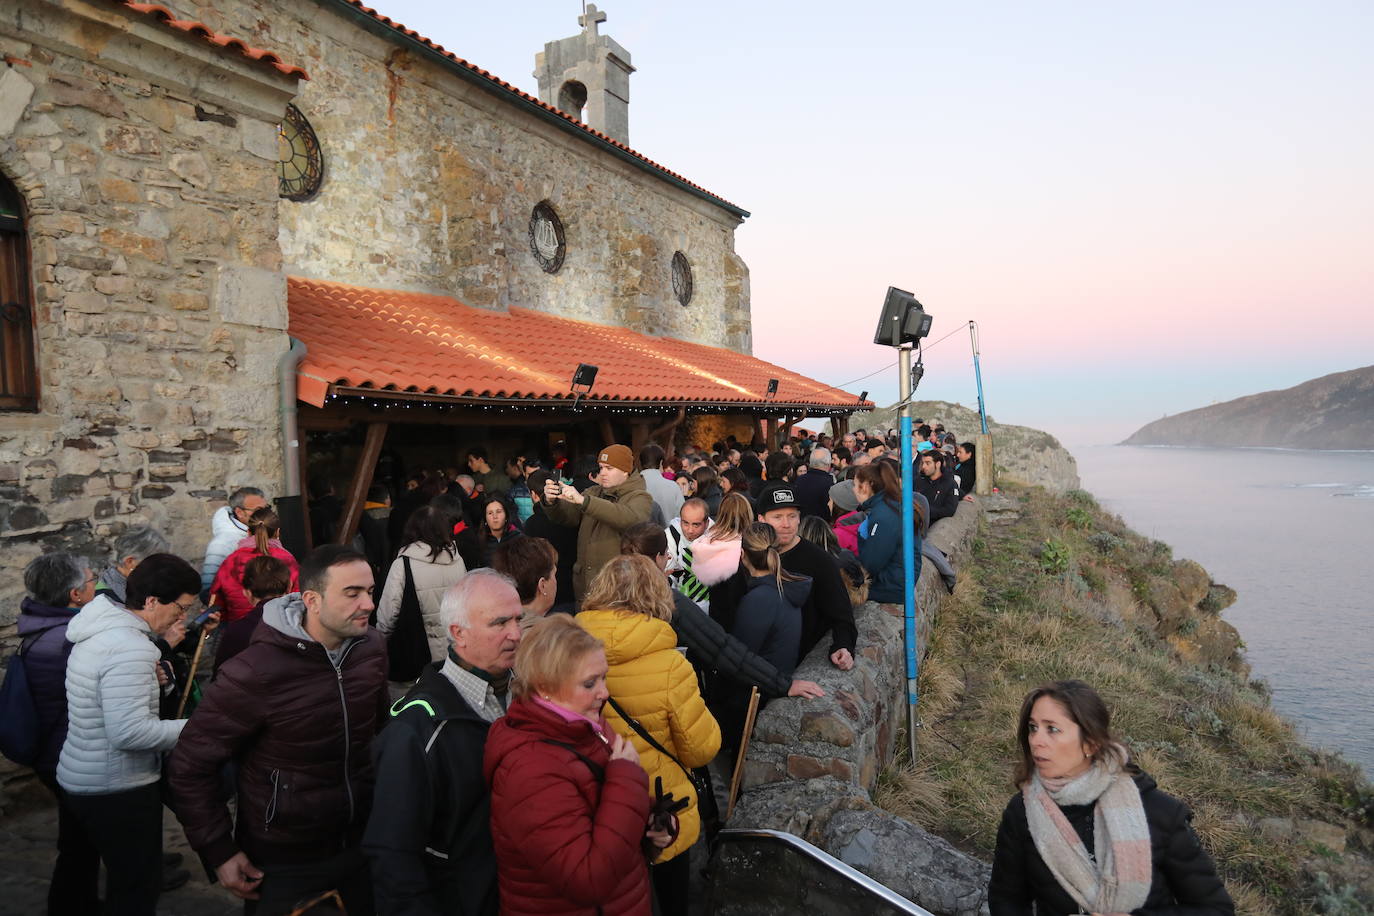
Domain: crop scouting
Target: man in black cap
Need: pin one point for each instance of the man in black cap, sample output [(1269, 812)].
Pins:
[(827, 608)]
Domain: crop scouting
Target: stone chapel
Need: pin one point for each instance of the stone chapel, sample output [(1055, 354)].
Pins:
[(247, 241)]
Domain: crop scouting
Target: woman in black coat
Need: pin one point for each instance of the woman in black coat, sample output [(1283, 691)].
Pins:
[(1131, 848)]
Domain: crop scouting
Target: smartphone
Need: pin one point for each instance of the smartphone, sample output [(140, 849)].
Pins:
[(204, 616)]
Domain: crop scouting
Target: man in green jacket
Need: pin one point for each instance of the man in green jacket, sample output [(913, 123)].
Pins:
[(618, 500)]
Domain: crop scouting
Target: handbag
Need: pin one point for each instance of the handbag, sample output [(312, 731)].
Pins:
[(21, 735), (699, 778), (407, 648)]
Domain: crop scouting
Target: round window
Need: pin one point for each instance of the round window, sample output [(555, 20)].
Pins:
[(682, 278), (547, 243), (300, 164)]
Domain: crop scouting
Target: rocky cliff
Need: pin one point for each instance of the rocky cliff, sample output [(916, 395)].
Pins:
[(1332, 412), (1019, 452)]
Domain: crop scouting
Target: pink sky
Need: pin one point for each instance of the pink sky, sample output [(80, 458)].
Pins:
[(1146, 208)]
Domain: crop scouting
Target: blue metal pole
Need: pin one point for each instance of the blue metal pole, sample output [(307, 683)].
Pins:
[(978, 374), (909, 567)]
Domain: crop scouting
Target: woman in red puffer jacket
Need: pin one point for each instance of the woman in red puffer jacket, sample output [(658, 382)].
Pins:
[(569, 800), (264, 527)]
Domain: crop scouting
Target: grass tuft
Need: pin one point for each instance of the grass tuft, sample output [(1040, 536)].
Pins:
[(1064, 592)]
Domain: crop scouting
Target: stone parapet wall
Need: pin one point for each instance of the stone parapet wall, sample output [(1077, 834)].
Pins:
[(813, 764), (146, 161), (849, 733)]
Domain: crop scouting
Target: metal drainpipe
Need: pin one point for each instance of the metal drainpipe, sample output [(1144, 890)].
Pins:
[(286, 377)]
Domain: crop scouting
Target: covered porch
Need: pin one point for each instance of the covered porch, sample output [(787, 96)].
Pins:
[(392, 380)]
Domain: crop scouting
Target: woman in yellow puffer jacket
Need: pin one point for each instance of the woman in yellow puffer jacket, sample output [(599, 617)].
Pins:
[(628, 607)]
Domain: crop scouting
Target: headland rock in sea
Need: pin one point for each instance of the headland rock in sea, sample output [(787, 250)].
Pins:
[(1332, 412)]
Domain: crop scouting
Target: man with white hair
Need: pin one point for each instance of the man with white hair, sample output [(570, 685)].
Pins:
[(429, 837), (813, 488), (228, 526)]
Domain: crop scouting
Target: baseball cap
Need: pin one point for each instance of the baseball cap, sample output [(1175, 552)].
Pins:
[(777, 496)]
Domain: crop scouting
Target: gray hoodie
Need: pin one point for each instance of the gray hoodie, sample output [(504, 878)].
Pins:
[(287, 615)]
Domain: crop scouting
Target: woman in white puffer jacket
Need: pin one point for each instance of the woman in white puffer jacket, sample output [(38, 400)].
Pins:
[(435, 566), (111, 762)]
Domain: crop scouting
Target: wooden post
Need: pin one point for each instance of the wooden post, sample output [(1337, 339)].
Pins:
[(786, 430), (983, 464), (607, 433), (758, 429), (362, 481), (639, 436), (666, 431), (771, 436)]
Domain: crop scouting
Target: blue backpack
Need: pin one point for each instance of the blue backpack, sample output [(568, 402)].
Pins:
[(21, 739)]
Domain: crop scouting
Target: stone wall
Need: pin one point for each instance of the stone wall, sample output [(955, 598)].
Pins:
[(1020, 453), (812, 764), (430, 182), (150, 186)]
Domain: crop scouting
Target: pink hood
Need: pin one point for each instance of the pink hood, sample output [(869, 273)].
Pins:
[(714, 561)]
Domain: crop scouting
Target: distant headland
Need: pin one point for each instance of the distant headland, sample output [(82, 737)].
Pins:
[(1332, 412)]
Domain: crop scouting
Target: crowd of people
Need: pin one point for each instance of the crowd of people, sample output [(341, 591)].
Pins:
[(517, 690)]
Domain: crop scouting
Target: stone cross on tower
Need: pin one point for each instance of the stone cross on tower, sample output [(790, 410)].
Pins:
[(590, 19), (588, 76)]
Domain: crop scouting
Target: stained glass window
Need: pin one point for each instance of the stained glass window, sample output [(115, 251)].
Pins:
[(547, 243)]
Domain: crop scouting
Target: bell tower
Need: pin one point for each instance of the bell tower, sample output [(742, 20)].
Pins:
[(588, 76)]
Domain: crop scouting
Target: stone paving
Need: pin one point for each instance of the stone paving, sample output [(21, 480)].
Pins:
[(28, 846)]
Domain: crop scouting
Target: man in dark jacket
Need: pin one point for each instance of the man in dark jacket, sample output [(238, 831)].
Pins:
[(937, 486), (58, 584), (826, 609), (429, 838), (297, 710), (813, 487), (563, 539)]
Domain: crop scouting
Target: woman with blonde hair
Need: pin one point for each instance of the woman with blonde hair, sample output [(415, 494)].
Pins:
[(264, 530), (716, 554), (569, 799), (654, 700)]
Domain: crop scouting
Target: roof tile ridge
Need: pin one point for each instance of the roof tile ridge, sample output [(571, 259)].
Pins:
[(393, 24), (205, 33)]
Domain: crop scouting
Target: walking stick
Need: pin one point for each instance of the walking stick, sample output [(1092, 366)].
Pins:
[(195, 663), (743, 750)]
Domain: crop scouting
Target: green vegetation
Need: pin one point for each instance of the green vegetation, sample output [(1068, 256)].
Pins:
[(1057, 589)]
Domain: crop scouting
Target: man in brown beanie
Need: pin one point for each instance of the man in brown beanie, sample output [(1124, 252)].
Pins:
[(618, 500)]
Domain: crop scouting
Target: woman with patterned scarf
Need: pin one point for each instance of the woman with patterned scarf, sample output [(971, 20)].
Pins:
[(1089, 832)]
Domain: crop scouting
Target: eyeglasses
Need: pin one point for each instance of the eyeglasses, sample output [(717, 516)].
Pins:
[(185, 608)]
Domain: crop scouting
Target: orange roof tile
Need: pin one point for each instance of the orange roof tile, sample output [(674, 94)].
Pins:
[(401, 344), (203, 31), (496, 81)]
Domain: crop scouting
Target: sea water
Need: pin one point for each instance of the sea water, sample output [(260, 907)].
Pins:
[(1293, 533)]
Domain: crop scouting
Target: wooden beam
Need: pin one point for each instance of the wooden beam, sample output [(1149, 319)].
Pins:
[(787, 430), (362, 481), (666, 431), (758, 429), (607, 434), (771, 436)]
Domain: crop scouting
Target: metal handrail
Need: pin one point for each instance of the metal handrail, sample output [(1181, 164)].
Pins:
[(821, 857)]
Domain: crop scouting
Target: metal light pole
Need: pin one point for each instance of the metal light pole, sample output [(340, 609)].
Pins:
[(902, 325), (908, 549), (978, 374)]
